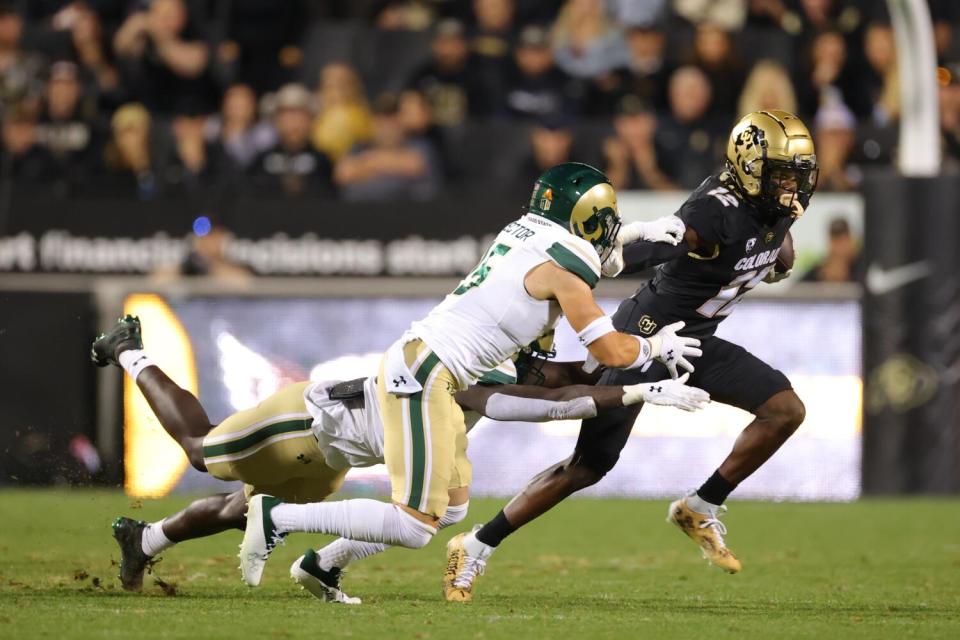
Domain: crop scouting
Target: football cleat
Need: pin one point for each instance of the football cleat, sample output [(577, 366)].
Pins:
[(707, 531), (259, 539), (325, 585), (124, 335), (462, 569), (133, 561)]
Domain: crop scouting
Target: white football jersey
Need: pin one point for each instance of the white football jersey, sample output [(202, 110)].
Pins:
[(349, 432), (490, 316)]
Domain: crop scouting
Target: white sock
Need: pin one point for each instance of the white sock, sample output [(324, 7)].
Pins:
[(359, 519), (134, 361), (341, 552), (698, 504), (154, 539), (475, 547)]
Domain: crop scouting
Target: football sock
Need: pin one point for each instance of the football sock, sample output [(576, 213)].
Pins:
[(493, 533), (358, 519), (713, 492), (477, 548), (154, 540), (134, 361), (342, 552)]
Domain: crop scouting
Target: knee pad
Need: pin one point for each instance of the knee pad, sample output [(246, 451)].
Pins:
[(454, 515)]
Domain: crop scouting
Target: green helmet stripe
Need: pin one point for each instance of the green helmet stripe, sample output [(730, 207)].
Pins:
[(573, 263)]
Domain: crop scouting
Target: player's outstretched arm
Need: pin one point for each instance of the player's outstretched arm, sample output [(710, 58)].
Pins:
[(641, 245), (528, 403), (596, 332)]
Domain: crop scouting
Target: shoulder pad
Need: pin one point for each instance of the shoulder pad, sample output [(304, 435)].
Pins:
[(577, 256)]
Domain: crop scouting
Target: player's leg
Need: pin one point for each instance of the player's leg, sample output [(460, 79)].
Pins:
[(140, 542), (178, 411), (597, 451), (734, 376), (320, 572), (775, 421), (420, 442)]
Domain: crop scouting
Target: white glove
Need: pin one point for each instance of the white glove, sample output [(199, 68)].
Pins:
[(673, 350), (669, 393), (775, 276), (613, 265), (669, 229)]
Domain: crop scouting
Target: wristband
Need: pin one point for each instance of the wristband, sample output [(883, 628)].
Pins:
[(595, 330), (646, 352)]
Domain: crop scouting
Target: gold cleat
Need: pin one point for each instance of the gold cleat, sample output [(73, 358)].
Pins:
[(462, 571), (707, 531)]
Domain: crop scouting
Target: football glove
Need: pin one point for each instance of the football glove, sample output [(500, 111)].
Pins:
[(673, 350), (776, 276), (613, 265), (669, 229), (669, 393)]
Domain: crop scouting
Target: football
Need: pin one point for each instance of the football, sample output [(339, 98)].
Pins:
[(786, 256)]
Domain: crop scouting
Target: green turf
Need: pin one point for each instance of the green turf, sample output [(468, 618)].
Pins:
[(591, 569)]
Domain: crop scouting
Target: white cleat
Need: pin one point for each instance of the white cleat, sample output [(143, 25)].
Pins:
[(259, 539)]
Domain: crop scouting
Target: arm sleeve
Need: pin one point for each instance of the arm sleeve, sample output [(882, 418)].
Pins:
[(644, 255), (501, 406)]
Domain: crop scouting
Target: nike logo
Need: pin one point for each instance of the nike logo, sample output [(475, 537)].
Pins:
[(881, 281)]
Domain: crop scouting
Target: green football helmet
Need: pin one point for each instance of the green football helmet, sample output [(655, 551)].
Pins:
[(582, 200)]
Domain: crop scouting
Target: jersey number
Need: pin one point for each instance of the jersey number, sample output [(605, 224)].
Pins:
[(724, 196), (722, 304), (482, 270)]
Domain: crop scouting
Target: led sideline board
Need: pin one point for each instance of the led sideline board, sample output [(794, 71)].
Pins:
[(238, 351)]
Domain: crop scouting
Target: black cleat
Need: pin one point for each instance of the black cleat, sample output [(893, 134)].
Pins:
[(133, 561), (323, 584), (124, 335)]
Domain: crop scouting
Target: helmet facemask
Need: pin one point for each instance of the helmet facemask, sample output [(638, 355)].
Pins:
[(783, 183), (600, 230)]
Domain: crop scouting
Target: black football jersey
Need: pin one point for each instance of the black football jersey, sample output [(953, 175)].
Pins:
[(737, 249)]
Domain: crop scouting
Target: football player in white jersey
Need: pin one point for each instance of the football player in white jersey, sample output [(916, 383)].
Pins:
[(544, 264), (299, 443)]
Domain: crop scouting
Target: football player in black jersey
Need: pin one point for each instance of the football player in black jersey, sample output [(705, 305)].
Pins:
[(736, 223)]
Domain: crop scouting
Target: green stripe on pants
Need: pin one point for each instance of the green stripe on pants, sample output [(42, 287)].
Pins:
[(418, 454), (255, 438)]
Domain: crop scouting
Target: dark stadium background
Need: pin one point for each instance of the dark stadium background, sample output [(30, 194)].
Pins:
[(298, 149)]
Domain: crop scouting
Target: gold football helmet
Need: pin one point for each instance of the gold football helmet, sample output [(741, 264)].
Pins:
[(771, 159)]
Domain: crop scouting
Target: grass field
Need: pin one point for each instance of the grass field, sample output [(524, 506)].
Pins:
[(591, 569)]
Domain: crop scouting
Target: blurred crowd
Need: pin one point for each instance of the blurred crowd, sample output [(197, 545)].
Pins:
[(406, 99)]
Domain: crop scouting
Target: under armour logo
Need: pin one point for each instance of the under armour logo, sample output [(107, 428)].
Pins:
[(304, 459), (654, 389), (398, 381), (670, 355)]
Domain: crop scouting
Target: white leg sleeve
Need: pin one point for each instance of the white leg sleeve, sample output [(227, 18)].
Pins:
[(361, 519), (505, 407), (341, 552)]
